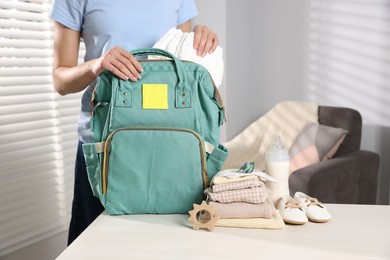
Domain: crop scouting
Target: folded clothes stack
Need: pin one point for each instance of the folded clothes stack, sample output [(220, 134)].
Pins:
[(242, 200)]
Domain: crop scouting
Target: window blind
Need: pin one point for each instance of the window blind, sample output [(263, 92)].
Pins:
[(37, 130), (348, 56)]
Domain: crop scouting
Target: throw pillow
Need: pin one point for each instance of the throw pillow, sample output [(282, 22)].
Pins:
[(315, 143)]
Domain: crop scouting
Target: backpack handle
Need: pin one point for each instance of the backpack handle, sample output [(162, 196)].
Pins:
[(183, 90), (154, 51)]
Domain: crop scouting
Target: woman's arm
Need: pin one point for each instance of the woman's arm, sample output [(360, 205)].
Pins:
[(205, 40), (68, 77), (186, 26)]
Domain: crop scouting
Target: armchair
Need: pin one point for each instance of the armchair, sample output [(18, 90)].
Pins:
[(351, 175)]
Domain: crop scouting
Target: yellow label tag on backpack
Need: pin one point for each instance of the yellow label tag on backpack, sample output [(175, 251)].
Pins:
[(155, 96)]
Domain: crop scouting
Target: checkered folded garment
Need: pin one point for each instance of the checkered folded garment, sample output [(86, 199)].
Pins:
[(254, 195), (237, 185)]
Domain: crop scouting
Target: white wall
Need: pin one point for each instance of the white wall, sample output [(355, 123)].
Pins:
[(264, 56), (279, 60), (377, 138), (239, 64)]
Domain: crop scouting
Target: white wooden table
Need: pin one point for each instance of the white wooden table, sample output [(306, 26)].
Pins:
[(354, 232)]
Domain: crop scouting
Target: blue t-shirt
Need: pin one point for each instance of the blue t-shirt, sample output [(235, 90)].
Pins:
[(130, 24)]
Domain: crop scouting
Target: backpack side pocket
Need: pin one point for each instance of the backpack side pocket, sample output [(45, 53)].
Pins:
[(215, 160), (93, 154)]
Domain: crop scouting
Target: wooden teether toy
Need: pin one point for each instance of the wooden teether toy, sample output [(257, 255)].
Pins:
[(207, 222)]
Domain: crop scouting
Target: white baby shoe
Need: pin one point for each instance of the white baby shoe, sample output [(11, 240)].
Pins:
[(315, 210), (290, 211)]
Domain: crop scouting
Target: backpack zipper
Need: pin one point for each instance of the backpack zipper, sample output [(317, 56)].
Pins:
[(109, 139)]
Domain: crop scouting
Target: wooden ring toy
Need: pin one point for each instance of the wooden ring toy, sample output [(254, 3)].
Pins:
[(209, 222)]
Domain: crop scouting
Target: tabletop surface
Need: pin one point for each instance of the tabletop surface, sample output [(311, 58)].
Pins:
[(354, 232)]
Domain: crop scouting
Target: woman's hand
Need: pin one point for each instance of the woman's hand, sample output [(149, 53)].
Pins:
[(205, 40), (120, 62)]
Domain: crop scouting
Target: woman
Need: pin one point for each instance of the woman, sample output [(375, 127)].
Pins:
[(109, 29)]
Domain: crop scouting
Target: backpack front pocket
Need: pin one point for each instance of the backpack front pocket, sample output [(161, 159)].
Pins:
[(153, 170)]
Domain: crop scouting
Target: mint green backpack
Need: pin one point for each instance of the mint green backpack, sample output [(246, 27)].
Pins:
[(156, 141)]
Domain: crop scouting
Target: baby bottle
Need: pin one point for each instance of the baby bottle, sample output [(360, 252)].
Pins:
[(277, 165)]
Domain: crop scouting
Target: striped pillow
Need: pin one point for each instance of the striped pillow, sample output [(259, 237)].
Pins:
[(315, 143)]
